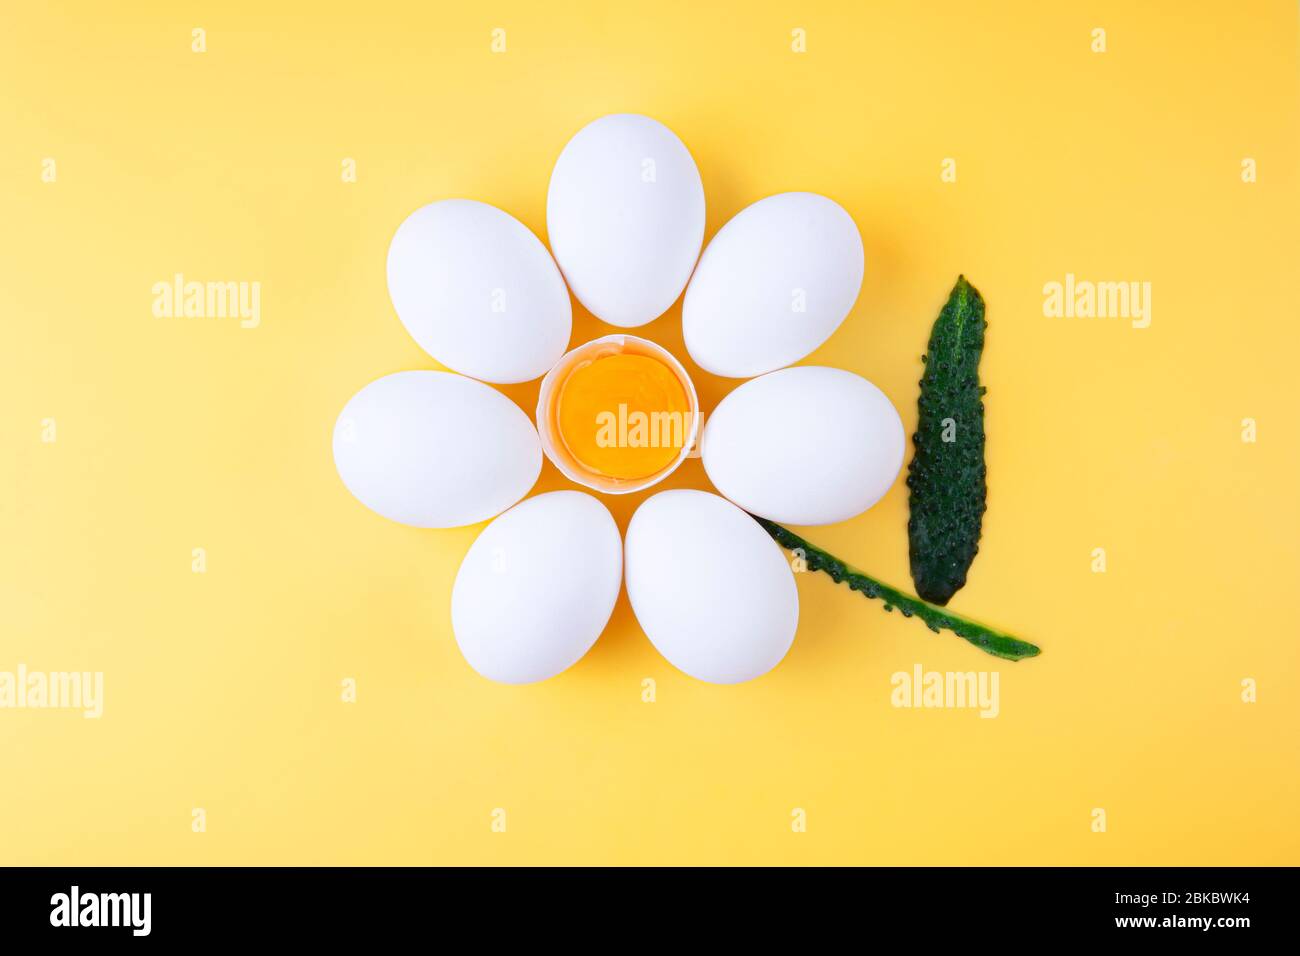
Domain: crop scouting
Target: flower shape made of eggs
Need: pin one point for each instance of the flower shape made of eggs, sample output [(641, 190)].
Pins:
[(482, 295)]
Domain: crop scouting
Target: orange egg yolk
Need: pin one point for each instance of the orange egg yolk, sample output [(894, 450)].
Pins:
[(624, 416)]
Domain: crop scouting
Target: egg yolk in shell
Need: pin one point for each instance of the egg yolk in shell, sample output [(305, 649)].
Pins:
[(623, 415)]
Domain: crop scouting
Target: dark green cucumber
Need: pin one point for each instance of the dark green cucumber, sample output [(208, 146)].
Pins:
[(936, 619), (947, 476)]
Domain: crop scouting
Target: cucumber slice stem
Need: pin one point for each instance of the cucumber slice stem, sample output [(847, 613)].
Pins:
[(936, 618)]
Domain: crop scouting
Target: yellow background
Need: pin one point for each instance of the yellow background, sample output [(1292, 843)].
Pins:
[(222, 690)]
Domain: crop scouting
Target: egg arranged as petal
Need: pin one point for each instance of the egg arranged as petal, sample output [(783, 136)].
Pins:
[(537, 587), (435, 449), (478, 291), (710, 589), (625, 214), (772, 286), (807, 445)]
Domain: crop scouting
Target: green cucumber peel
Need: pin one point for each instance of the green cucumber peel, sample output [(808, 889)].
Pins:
[(947, 475), (936, 618)]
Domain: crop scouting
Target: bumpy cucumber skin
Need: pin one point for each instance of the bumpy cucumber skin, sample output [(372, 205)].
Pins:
[(936, 619), (948, 479)]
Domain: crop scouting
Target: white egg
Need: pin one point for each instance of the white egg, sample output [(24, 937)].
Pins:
[(537, 587), (772, 286), (806, 445), (710, 588), (435, 449), (478, 291), (625, 213)]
